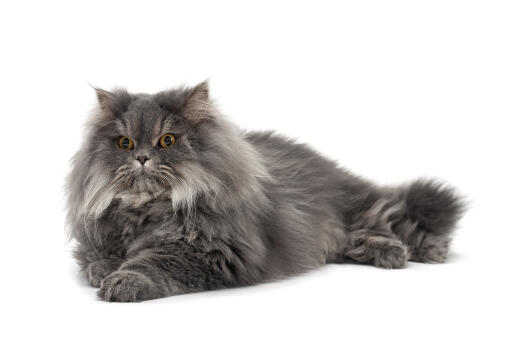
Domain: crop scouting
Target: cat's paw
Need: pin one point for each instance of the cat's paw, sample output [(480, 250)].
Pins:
[(126, 286), (380, 251), (98, 270), (392, 255)]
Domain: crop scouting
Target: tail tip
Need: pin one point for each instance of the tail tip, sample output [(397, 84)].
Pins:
[(434, 205)]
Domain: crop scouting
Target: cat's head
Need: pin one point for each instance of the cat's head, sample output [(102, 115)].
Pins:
[(172, 144)]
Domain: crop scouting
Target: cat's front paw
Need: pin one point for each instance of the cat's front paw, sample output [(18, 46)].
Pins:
[(98, 270), (127, 286)]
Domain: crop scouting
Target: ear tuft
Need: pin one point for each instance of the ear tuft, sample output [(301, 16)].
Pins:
[(113, 103), (198, 106), (104, 99)]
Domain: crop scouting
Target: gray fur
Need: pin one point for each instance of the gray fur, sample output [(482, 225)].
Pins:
[(224, 208)]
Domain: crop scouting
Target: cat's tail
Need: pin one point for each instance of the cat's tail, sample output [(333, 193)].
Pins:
[(429, 212), (433, 206)]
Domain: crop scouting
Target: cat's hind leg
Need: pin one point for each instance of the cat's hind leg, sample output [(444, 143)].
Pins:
[(384, 251), (371, 239)]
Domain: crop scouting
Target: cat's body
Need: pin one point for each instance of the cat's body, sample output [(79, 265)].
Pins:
[(222, 208)]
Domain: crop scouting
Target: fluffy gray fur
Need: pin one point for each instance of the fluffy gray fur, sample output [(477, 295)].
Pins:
[(223, 208)]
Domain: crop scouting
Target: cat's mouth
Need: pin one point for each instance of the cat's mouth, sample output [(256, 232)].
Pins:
[(145, 183), (149, 181), (146, 178)]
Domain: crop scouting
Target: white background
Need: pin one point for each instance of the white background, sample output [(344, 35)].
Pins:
[(393, 90)]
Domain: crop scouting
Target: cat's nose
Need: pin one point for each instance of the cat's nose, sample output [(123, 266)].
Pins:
[(142, 159)]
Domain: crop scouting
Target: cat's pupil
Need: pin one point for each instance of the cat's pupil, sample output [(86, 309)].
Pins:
[(125, 142), (168, 140)]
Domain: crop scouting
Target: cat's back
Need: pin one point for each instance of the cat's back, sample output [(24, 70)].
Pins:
[(291, 161)]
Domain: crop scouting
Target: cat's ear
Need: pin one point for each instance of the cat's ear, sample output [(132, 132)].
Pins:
[(112, 103), (197, 105), (104, 99)]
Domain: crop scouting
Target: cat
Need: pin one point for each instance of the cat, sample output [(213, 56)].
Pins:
[(167, 197)]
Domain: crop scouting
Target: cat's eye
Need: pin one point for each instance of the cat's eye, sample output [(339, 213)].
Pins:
[(125, 143), (167, 140)]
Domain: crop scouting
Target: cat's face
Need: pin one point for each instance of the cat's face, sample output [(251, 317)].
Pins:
[(172, 146), (152, 143)]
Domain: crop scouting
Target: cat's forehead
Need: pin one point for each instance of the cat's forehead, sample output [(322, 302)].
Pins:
[(140, 115), (143, 106), (145, 116)]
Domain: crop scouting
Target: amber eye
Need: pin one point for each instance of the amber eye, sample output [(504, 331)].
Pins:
[(167, 140), (125, 143)]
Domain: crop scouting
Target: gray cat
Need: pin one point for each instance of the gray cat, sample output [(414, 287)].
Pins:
[(166, 197)]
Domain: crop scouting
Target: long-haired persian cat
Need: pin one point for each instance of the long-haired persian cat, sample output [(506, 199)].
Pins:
[(166, 197)]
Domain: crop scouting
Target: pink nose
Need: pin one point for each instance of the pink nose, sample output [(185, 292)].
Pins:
[(142, 159)]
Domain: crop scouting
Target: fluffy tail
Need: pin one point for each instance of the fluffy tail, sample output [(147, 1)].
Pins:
[(421, 214), (434, 206)]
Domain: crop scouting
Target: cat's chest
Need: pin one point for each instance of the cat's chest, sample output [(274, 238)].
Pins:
[(131, 222)]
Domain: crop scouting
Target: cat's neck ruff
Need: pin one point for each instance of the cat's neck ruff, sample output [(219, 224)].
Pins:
[(137, 200)]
